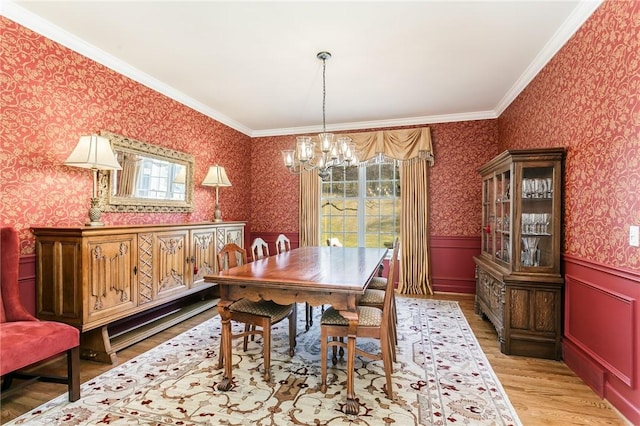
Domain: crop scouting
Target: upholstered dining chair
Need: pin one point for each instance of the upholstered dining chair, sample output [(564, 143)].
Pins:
[(258, 317), (259, 249), (25, 340), (373, 323), (375, 293)]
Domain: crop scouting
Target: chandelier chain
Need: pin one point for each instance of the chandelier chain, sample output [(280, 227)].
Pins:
[(324, 94)]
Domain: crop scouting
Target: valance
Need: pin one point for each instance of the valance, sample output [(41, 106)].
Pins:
[(400, 144)]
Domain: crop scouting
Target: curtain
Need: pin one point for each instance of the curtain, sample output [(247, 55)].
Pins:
[(415, 264), (129, 175), (309, 209), (413, 149)]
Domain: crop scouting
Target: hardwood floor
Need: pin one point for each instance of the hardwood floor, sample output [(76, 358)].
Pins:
[(543, 392)]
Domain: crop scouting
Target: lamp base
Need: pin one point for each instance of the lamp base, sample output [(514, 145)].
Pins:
[(95, 213), (217, 220), (92, 223)]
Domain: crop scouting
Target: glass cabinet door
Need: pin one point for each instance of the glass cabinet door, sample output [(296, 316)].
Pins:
[(537, 218), (496, 235), (488, 216), (503, 217)]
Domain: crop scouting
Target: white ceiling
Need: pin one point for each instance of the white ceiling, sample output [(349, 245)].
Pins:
[(253, 65)]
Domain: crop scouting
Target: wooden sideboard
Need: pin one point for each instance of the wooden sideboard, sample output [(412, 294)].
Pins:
[(121, 284)]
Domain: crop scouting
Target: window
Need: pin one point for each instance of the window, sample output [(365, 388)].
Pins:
[(360, 206)]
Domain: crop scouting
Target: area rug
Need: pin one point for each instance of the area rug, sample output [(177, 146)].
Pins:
[(441, 377)]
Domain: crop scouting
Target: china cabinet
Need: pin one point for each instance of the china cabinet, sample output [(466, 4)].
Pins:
[(519, 283), (121, 284)]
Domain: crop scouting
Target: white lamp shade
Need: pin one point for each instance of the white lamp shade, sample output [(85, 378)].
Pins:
[(93, 152), (216, 176)]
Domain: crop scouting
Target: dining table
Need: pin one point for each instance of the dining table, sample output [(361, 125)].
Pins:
[(318, 275)]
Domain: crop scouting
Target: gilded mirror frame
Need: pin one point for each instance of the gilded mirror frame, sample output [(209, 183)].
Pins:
[(109, 202)]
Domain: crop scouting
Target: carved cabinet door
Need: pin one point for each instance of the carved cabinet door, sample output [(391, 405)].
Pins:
[(203, 255), (171, 262), (111, 266)]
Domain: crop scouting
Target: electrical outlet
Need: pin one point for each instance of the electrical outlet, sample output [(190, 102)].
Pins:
[(634, 235)]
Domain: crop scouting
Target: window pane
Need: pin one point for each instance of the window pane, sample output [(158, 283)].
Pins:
[(351, 209)]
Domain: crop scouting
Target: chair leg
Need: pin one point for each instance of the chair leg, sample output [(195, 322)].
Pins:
[(308, 316), (323, 360), (385, 346), (7, 379), (73, 373), (266, 345), (247, 328)]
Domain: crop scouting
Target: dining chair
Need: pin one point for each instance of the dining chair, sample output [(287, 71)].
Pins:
[(26, 341), (375, 294), (259, 249), (373, 322), (282, 244), (262, 314)]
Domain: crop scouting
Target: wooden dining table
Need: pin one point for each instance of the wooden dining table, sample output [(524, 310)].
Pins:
[(336, 276)]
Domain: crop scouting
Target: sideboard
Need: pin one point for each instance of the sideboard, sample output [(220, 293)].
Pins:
[(120, 284)]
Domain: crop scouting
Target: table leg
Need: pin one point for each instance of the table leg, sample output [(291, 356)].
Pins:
[(352, 405), (225, 345)]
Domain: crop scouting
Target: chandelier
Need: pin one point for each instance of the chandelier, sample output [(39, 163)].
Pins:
[(333, 152)]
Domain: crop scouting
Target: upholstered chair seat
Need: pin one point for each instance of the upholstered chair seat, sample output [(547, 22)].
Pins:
[(263, 308), (372, 297), (367, 317), (377, 283)]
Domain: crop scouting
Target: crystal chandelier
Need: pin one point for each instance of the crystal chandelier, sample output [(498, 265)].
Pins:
[(340, 152)]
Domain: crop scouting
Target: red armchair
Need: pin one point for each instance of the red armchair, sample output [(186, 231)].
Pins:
[(24, 340)]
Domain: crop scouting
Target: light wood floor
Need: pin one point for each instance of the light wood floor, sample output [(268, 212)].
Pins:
[(543, 392)]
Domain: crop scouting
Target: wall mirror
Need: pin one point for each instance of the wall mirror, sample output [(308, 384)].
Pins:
[(152, 179)]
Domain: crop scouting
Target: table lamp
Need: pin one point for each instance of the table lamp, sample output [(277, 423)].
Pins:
[(217, 177), (93, 152)]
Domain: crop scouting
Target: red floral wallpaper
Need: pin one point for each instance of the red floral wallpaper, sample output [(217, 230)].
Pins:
[(51, 95), (588, 99), (455, 185)]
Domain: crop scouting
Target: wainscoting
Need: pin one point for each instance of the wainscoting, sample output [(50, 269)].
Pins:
[(27, 282), (602, 331), (452, 266)]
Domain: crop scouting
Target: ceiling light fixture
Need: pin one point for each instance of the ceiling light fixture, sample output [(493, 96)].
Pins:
[(333, 153)]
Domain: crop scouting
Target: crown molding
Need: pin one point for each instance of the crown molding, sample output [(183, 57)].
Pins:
[(359, 125)]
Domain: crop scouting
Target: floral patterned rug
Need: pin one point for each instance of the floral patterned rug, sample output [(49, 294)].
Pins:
[(441, 377)]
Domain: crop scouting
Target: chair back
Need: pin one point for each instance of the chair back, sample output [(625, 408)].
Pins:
[(282, 244), (230, 256), (11, 308), (259, 249), (388, 293), (334, 242)]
